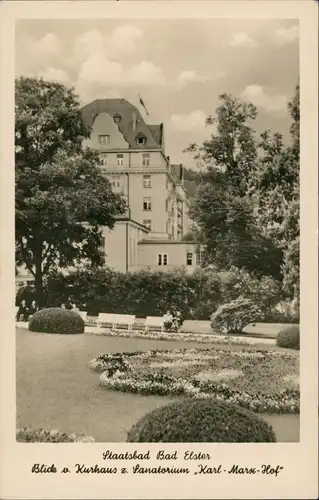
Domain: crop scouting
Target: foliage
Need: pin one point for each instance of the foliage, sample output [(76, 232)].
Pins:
[(247, 202), (28, 435), (62, 197), (277, 197), (147, 293), (289, 337), (191, 181), (264, 291), (202, 421), (214, 373), (233, 316), (223, 206), (143, 293), (56, 320)]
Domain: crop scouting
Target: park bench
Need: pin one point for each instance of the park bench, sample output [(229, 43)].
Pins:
[(154, 323), (115, 321), (83, 315), (139, 324)]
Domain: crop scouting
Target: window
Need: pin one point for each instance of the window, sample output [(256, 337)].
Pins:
[(120, 160), (103, 159), (200, 256), (166, 205), (104, 139), (148, 224), (117, 118), (147, 181), (146, 160), (162, 259), (189, 259), (116, 182), (141, 140), (147, 204)]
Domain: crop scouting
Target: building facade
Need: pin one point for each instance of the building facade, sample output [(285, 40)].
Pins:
[(132, 155)]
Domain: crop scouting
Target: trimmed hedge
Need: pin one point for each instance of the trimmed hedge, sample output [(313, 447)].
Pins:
[(28, 435), (289, 337), (56, 320), (147, 293), (201, 421)]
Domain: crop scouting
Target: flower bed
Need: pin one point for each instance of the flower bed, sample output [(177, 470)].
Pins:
[(262, 381), (186, 337), (28, 435)]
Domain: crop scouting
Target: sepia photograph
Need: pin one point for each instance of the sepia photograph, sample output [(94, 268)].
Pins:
[(157, 230), (159, 249)]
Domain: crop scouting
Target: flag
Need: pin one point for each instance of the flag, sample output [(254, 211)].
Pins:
[(142, 103)]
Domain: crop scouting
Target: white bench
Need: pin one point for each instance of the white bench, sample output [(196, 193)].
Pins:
[(83, 315), (154, 323), (115, 320)]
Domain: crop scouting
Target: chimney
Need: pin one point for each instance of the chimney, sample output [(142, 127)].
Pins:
[(181, 173), (134, 120)]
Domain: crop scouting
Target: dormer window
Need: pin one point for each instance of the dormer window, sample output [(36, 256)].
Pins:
[(140, 140), (117, 118), (104, 140)]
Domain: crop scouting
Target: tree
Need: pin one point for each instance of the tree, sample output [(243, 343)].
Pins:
[(224, 206), (62, 197), (277, 196)]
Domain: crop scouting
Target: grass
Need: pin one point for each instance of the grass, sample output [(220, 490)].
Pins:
[(56, 390)]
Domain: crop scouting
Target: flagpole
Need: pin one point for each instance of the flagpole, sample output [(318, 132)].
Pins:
[(141, 102)]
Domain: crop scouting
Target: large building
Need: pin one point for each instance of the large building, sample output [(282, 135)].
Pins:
[(133, 157)]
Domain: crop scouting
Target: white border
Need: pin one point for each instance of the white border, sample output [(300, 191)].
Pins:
[(300, 460)]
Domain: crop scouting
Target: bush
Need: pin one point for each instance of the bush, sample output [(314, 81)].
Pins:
[(289, 337), (234, 316), (148, 293), (27, 435), (201, 421), (235, 283), (56, 320)]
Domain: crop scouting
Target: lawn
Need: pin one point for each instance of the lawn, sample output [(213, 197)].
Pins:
[(56, 390)]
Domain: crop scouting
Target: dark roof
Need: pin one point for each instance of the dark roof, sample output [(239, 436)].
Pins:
[(157, 131), (177, 171), (152, 133)]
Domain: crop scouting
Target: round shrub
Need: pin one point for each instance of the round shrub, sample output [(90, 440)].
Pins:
[(289, 337), (234, 316), (56, 320), (201, 421)]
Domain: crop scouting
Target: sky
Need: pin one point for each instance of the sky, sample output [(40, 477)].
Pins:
[(179, 67)]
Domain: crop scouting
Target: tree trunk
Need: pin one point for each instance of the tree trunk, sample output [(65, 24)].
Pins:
[(39, 280)]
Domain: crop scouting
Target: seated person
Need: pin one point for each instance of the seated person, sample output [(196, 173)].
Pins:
[(167, 321), (34, 308), (178, 320), (22, 310)]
